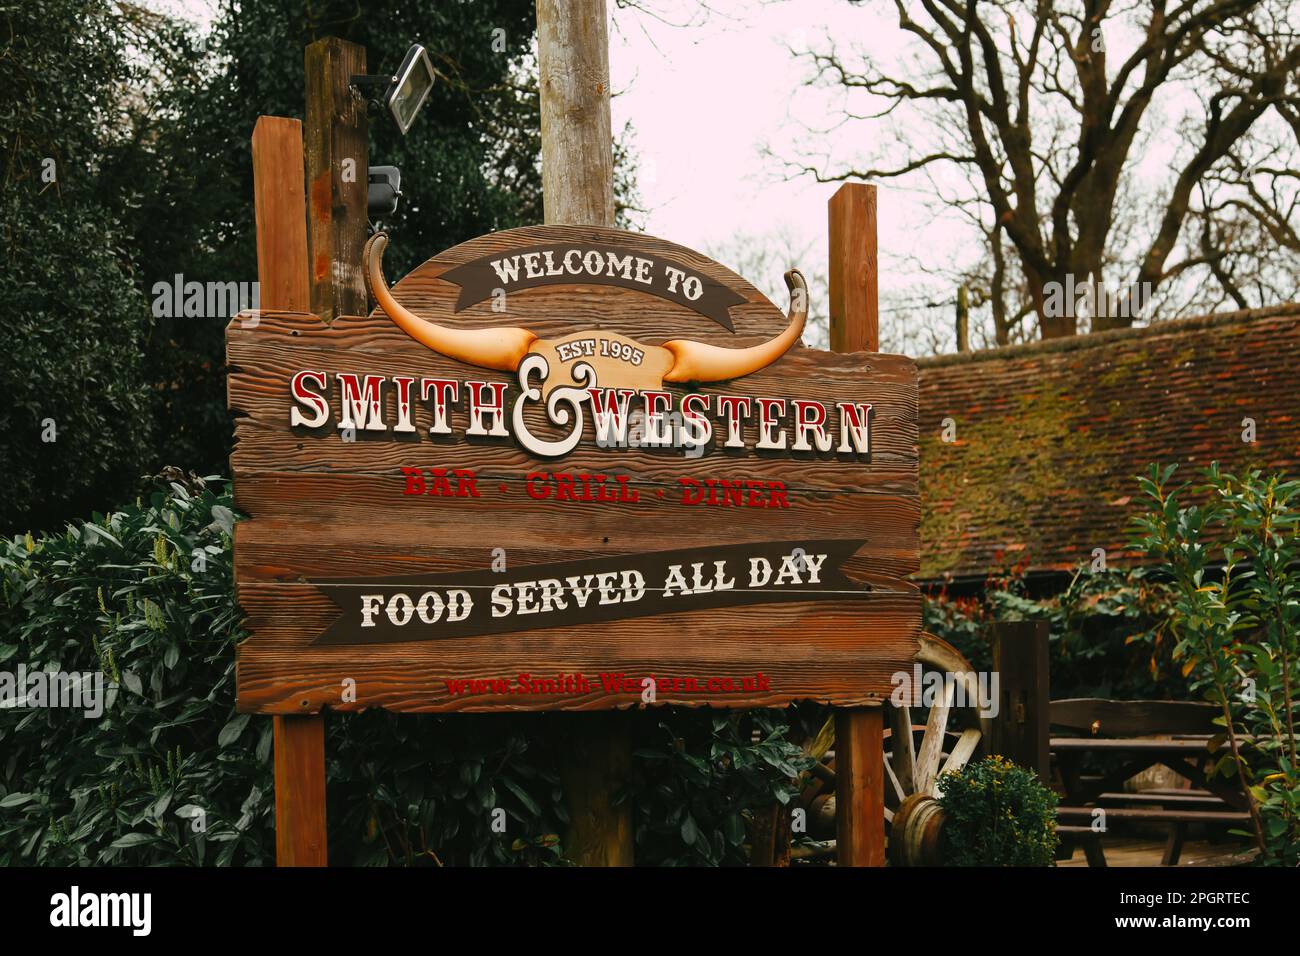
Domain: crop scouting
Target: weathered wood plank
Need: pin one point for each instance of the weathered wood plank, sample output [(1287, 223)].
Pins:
[(266, 356), (376, 526), (1134, 718), (550, 311), (808, 650), (337, 160), (816, 649)]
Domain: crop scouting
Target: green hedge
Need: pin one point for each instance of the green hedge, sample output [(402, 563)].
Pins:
[(1109, 631), (145, 595)]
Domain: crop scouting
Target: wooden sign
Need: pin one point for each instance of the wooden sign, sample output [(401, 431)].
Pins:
[(568, 468)]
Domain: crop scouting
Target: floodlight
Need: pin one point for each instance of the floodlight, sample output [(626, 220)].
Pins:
[(404, 92)]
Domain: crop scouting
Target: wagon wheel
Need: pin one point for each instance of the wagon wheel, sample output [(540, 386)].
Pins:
[(917, 755), (946, 741)]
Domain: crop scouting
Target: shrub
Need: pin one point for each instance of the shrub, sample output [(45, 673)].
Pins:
[(142, 595), (703, 775), (1109, 631), (145, 595), (1233, 564), (997, 814)]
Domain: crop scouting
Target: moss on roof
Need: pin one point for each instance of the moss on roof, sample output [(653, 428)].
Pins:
[(1050, 437)]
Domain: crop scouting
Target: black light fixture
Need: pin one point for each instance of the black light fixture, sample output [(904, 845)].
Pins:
[(383, 189), (404, 92)]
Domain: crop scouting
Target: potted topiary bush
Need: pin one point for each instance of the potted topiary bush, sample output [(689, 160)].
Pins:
[(996, 814)]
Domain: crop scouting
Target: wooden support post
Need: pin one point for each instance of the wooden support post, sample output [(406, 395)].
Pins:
[(595, 762), (280, 206), (337, 178), (1020, 729), (860, 786), (855, 327), (281, 211), (578, 189), (854, 277), (300, 790)]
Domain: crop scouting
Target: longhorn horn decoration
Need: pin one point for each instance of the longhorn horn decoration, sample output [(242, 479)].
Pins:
[(698, 362), (499, 348)]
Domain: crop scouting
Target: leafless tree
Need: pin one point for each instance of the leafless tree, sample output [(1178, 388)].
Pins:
[(1027, 100)]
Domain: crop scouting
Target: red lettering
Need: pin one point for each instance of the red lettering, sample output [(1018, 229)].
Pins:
[(564, 487), (440, 485), (531, 483), (691, 492), (465, 484), (414, 481), (778, 499)]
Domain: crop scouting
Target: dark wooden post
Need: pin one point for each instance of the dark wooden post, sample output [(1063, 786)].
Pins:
[(578, 189), (280, 206), (963, 319), (855, 327), (1020, 659), (337, 177)]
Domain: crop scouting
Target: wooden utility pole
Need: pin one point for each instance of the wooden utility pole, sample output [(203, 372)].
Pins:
[(578, 189), (337, 176), (280, 205), (577, 145), (855, 327)]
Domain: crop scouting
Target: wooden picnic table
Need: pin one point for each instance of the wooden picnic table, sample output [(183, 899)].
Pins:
[(1187, 755)]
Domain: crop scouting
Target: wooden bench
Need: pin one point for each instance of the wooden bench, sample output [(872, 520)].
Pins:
[(1140, 734), (1086, 837)]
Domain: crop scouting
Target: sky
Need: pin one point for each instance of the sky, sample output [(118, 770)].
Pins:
[(714, 103), (705, 99)]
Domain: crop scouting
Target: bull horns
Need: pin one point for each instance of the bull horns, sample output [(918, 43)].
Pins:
[(501, 348), (504, 348), (698, 362)]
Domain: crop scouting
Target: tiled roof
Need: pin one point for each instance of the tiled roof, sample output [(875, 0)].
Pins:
[(1049, 437)]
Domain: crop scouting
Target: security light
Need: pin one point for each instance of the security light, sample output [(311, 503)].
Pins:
[(384, 188), (404, 92)]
